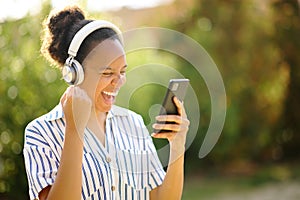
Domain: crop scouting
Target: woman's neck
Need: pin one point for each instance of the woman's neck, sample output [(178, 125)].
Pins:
[(97, 116), (97, 125)]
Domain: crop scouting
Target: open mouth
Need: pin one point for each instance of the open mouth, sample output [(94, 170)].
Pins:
[(110, 93), (109, 97)]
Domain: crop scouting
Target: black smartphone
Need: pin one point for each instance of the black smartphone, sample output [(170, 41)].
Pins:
[(177, 87)]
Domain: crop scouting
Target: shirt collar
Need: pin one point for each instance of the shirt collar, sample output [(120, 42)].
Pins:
[(117, 111), (57, 112)]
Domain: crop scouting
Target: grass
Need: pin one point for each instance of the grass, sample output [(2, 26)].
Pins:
[(208, 188), (213, 185)]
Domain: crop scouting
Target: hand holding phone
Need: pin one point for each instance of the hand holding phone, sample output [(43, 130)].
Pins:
[(177, 87)]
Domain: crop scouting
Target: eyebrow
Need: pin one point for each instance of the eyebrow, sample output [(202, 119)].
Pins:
[(109, 68)]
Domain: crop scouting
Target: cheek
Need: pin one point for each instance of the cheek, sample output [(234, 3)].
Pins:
[(123, 80), (100, 86), (104, 82), (89, 85)]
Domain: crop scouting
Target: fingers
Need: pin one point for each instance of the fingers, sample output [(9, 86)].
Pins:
[(65, 95), (164, 135), (171, 126), (77, 107), (81, 94), (75, 92), (168, 127), (180, 107), (164, 120), (171, 122), (169, 118), (170, 133)]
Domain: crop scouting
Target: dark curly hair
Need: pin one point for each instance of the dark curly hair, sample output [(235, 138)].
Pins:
[(59, 30)]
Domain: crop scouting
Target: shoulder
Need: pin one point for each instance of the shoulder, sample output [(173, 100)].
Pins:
[(33, 135), (54, 114), (41, 124), (35, 123), (46, 131)]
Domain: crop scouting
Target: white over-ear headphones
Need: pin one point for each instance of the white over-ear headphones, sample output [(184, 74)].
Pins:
[(72, 71)]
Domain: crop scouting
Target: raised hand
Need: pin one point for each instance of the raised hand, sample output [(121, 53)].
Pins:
[(177, 131), (77, 108)]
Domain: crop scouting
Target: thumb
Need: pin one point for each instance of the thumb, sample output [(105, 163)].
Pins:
[(180, 107)]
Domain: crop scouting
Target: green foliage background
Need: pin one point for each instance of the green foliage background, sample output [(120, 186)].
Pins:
[(255, 45)]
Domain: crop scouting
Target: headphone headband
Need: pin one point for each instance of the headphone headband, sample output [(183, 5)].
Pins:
[(88, 29)]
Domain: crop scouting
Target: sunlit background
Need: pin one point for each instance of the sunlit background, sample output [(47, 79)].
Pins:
[(16, 9), (255, 45)]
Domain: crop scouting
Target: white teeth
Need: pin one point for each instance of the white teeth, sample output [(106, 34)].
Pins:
[(111, 93)]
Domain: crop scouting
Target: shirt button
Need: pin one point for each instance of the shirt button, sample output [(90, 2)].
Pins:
[(108, 159), (113, 188)]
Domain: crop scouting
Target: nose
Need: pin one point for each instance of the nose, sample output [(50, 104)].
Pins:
[(118, 80)]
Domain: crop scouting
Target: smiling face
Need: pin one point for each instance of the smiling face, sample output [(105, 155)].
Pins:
[(104, 74)]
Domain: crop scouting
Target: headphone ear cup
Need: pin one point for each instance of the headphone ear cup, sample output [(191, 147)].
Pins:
[(79, 72), (73, 72)]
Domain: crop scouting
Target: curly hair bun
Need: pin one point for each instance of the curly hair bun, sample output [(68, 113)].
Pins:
[(57, 34), (63, 20)]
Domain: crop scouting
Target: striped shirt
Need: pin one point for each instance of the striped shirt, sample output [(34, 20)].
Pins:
[(127, 167)]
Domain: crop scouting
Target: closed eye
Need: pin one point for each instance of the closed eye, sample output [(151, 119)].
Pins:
[(107, 73)]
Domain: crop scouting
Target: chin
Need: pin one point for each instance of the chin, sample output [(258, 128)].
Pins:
[(103, 105), (103, 108)]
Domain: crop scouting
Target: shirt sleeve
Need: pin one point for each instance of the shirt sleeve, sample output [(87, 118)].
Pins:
[(40, 162)]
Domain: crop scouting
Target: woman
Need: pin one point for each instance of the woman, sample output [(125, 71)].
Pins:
[(86, 147)]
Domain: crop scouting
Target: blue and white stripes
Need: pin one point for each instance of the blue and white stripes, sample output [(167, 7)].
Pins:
[(126, 168)]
